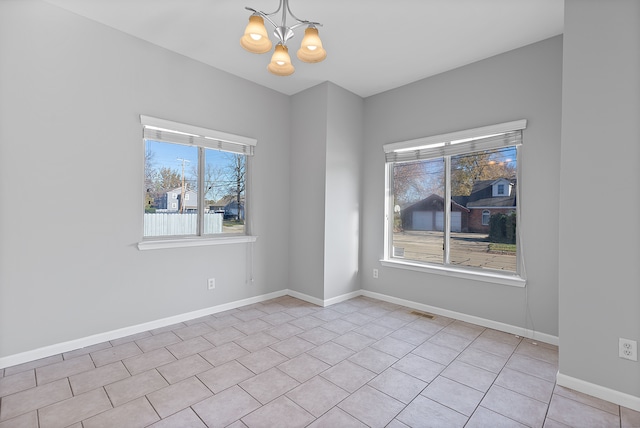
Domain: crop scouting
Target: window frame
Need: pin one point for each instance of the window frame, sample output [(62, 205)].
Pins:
[(438, 143), (488, 213), (202, 139)]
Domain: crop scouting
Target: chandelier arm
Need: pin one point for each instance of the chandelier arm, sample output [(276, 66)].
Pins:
[(267, 16), (301, 23), (284, 12), (264, 15)]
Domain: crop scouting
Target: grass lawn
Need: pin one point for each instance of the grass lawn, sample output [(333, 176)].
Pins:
[(502, 248)]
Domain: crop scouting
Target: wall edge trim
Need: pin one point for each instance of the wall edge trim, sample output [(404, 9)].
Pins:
[(496, 325), (599, 391), (59, 348), (71, 345)]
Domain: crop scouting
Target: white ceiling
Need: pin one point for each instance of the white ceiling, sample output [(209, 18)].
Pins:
[(372, 45)]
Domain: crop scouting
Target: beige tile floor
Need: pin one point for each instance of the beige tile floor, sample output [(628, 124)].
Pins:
[(287, 363)]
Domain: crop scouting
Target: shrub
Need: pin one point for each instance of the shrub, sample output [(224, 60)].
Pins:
[(502, 228)]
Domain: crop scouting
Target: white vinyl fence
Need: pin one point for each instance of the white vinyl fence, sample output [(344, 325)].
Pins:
[(177, 224)]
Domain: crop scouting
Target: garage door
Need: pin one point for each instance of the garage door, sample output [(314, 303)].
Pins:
[(456, 221), (422, 220)]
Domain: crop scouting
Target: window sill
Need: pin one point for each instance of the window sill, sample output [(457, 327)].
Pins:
[(494, 278), (193, 242)]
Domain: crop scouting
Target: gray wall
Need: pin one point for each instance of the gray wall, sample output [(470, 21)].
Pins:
[(521, 84), (72, 92), (599, 269), (326, 159), (343, 194), (307, 201)]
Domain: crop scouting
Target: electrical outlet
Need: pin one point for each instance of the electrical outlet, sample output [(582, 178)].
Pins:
[(211, 283), (628, 349), (375, 273)]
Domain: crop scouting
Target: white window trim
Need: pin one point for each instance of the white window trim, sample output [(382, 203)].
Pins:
[(482, 217), (155, 122), (458, 135), (517, 279), (155, 243), (194, 242), (466, 273)]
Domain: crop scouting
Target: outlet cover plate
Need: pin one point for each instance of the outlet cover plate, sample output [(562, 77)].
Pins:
[(628, 349)]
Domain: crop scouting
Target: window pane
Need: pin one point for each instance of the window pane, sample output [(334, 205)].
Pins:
[(224, 183), (171, 202), (419, 210), (484, 220)]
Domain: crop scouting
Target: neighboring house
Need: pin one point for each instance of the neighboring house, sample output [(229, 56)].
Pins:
[(468, 213), (490, 197), (231, 210), (171, 200), (229, 206)]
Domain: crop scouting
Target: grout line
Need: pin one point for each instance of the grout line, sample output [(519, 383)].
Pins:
[(365, 307)]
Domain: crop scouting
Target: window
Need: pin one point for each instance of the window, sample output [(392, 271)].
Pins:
[(486, 214), (442, 214), (204, 173)]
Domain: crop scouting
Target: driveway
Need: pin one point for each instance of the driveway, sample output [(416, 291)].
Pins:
[(467, 249)]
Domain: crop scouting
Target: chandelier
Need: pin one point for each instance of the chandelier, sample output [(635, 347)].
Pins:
[(256, 39)]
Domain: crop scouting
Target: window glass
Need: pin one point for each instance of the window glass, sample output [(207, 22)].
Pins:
[(418, 229), (224, 184), (485, 217), (172, 206), (454, 218), (473, 242), (171, 173)]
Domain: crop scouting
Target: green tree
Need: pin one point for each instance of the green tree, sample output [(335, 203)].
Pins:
[(167, 179), (467, 169)]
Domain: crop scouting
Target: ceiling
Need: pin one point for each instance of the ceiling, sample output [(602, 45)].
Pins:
[(372, 45)]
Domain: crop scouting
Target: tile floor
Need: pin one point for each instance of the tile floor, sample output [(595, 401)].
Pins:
[(287, 363)]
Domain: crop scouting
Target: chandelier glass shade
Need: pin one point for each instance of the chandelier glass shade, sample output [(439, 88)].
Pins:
[(311, 47), (256, 39), (280, 64)]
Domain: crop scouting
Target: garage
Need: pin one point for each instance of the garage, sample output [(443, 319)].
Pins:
[(434, 220), (428, 214)]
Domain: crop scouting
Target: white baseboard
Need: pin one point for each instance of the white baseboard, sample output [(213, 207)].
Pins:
[(613, 396), (71, 345), (305, 297), (507, 328), (327, 302), (342, 298), (604, 393)]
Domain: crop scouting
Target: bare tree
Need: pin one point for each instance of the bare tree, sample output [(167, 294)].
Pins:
[(235, 172), (149, 173), (413, 181), (215, 184)]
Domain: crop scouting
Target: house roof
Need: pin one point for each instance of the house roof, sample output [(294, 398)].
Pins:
[(227, 200), (508, 201), (482, 195), (430, 200), (179, 190)]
